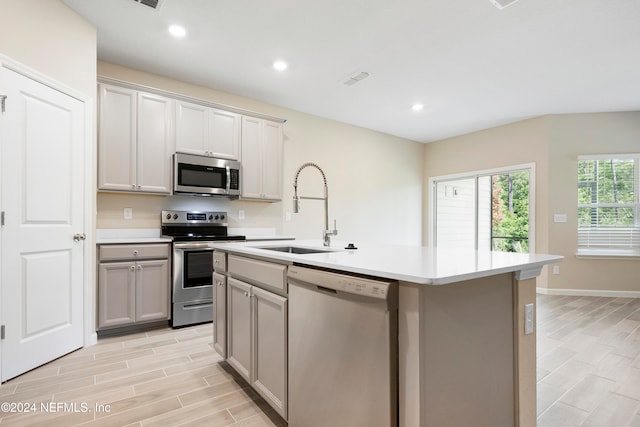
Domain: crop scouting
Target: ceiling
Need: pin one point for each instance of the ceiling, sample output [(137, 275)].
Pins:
[(470, 64)]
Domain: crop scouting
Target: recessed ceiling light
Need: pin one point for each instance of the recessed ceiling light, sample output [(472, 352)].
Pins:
[(177, 31), (280, 65), (417, 107)]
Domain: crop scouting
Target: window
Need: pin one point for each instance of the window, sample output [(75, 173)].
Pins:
[(484, 210), (608, 205)]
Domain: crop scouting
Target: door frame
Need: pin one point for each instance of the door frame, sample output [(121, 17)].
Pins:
[(90, 336), (431, 197)]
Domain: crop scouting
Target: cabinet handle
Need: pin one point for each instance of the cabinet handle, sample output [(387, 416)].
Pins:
[(132, 268), (246, 294), (139, 268), (135, 252)]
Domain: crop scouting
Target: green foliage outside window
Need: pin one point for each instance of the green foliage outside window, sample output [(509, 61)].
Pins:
[(606, 193), (510, 212)]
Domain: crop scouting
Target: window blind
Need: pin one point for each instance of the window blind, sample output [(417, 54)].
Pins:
[(608, 204)]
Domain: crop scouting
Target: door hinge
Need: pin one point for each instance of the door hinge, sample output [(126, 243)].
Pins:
[(2, 219), (2, 332), (2, 99)]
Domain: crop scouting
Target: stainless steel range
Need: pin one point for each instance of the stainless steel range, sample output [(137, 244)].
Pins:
[(192, 231)]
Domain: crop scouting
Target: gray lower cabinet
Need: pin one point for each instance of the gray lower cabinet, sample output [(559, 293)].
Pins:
[(133, 287), (257, 340), (220, 314)]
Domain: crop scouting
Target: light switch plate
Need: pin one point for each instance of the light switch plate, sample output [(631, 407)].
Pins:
[(560, 218), (528, 319)]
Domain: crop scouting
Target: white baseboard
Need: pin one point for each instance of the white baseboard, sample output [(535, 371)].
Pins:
[(589, 293)]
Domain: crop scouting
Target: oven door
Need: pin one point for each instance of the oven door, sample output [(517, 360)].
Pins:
[(192, 272)]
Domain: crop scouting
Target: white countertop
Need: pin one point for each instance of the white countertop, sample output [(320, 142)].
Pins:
[(129, 235), (415, 264), (105, 236)]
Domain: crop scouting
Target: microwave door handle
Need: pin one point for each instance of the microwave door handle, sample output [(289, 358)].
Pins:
[(228, 179)]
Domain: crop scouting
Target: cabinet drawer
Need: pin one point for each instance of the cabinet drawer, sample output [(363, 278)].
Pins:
[(265, 274), (219, 262), (116, 252)]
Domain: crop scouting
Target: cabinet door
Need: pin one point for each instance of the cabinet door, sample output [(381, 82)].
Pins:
[(239, 326), (271, 150), (116, 139), (251, 166), (154, 144), (269, 375), (220, 314), (224, 134), (116, 294), (152, 290), (192, 128)]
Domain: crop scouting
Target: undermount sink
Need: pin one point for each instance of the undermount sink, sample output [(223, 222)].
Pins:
[(297, 250)]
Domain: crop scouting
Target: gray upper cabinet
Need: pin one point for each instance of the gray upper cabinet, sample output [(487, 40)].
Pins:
[(135, 141), (207, 131), (261, 159), (139, 131)]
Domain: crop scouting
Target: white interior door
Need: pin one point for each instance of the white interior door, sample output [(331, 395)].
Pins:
[(42, 196)]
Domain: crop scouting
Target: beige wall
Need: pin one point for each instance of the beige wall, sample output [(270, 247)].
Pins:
[(52, 39), (553, 144), (375, 180), (570, 136)]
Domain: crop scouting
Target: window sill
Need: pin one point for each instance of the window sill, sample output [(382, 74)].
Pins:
[(608, 254)]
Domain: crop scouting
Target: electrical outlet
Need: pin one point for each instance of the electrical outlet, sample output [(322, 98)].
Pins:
[(128, 213), (240, 214), (556, 269), (528, 319)]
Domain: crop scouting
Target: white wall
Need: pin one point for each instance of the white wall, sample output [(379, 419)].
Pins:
[(375, 180)]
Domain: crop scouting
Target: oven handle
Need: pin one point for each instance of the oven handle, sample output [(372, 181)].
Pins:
[(192, 245)]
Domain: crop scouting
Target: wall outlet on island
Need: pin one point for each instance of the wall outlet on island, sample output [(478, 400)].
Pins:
[(241, 214), (556, 269), (128, 213)]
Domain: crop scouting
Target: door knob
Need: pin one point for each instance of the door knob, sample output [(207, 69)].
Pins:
[(79, 236)]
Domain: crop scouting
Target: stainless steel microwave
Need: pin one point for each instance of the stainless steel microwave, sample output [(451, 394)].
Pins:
[(205, 176)]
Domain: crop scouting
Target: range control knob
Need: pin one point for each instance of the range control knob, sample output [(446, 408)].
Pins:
[(175, 216), (210, 217), (217, 217), (221, 216), (168, 216)]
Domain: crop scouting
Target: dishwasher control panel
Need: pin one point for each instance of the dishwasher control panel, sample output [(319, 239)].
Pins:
[(341, 282), (355, 285)]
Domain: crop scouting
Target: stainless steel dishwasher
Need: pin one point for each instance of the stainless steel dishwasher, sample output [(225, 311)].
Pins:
[(343, 350)]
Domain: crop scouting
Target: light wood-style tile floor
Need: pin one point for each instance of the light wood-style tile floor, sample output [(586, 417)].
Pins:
[(588, 361), (588, 375), (163, 377)]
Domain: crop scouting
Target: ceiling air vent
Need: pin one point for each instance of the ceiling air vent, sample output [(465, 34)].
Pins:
[(153, 4), (501, 4), (355, 78)]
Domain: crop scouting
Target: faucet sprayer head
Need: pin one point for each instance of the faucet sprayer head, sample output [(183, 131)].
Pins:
[(296, 204)]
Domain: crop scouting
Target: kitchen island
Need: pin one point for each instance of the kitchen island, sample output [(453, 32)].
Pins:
[(464, 357)]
